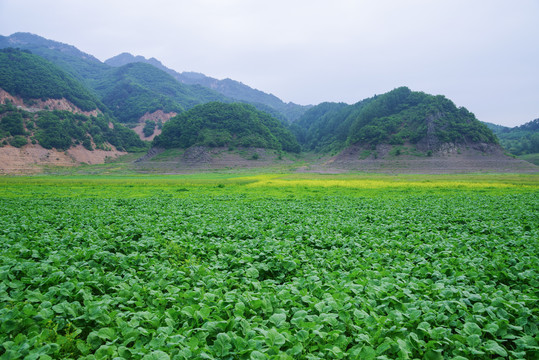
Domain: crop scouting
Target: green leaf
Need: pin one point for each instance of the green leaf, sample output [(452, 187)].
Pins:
[(495, 348), (296, 350), (105, 352), (252, 272), (83, 347), (383, 347), (257, 355), (492, 328), (274, 338), (9, 326), (367, 353), (156, 355), (278, 319), (107, 333), (472, 329), (336, 351), (94, 340), (473, 340), (404, 350), (434, 355), (302, 335), (425, 326), (222, 345), (527, 342)]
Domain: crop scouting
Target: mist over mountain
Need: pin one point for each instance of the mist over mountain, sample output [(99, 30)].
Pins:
[(32, 77), (135, 89), (78, 64), (144, 94), (42, 104), (228, 87), (518, 140), (91, 71)]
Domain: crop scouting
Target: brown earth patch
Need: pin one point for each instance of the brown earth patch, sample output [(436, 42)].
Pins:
[(200, 158), (30, 159), (449, 159), (156, 116), (49, 104)]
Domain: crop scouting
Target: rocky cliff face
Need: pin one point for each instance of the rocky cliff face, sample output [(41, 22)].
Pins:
[(430, 142)]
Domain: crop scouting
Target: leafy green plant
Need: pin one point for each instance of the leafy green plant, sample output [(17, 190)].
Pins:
[(141, 268)]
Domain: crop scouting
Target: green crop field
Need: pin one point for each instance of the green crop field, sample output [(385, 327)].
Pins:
[(222, 266)]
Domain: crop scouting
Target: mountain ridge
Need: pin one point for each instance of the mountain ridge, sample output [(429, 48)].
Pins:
[(42, 104), (400, 122), (228, 87)]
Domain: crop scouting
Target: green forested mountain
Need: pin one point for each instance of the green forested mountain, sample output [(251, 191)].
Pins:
[(134, 89), (82, 66), (197, 88), (218, 124), (519, 140), (326, 127), (134, 86), (32, 77), (397, 117), (128, 91), (229, 88), (63, 129)]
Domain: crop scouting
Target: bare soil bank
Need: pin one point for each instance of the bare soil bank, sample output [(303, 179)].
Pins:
[(382, 159), (448, 160), (31, 159)]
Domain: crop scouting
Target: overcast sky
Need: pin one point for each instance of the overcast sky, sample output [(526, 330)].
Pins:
[(482, 54)]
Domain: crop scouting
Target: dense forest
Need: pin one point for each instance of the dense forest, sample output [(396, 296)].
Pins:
[(130, 90), (63, 129), (32, 77), (231, 89), (519, 140), (397, 117), (234, 125), (136, 86), (134, 89)]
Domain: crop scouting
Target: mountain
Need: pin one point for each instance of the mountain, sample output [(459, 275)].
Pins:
[(32, 77), (135, 89), (519, 140), (397, 117), (128, 91), (230, 88), (231, 125), (42, 104), (78, 64), (197, 88)]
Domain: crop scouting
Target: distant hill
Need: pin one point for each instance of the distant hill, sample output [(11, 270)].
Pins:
[(397, 117), (62, 130), (134, 89), (232, 125), (197, 88), (82, 66), (42, 104), (32, 77), (230, 88), (129, 92), (519, 140)]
